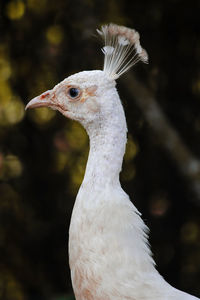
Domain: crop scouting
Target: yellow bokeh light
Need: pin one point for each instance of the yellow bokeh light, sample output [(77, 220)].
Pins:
[(42, 116), (62, 159), (54, 35), (5, 69), (131, 149), (77, 137), (14, 165), (76, 171), (11, 167), (14, 111), (128, 172), (15, 9), (5, 92), (190, 232)]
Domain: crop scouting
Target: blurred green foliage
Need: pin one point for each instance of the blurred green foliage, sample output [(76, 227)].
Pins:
[(43, 155)]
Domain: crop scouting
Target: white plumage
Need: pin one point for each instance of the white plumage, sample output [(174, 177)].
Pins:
[(108, 241)]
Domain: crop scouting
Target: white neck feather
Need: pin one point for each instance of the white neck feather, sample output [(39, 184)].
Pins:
[(107, 147)]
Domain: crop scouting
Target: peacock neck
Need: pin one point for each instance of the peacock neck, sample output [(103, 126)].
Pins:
[(107, 147)]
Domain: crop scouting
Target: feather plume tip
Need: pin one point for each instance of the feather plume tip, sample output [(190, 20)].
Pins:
[(122, 49)]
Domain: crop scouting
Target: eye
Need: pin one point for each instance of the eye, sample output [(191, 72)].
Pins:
[(74, 92)]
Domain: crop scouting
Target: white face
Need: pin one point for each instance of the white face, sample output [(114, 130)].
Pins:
[(79, 97)]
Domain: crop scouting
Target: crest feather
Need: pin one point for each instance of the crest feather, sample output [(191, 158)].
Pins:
[(122, 49)]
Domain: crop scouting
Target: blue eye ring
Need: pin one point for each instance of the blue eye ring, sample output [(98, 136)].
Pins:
[(74, 92)]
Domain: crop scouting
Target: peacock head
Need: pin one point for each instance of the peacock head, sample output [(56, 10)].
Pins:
[(80, 96), (90, 95)]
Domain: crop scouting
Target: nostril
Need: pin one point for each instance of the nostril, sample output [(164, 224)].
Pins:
[(43, 96)]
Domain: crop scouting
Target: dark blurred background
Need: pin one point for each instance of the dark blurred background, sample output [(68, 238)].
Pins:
[(43, 155)]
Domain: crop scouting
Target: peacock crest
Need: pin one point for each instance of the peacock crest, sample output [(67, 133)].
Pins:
[(122, 49)]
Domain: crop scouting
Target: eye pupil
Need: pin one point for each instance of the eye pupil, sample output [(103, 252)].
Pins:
[(73, 92)]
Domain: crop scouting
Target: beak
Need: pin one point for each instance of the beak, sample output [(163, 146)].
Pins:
[(44, 100)]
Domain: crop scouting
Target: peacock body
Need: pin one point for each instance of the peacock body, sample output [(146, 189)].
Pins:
[(109, 254)]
